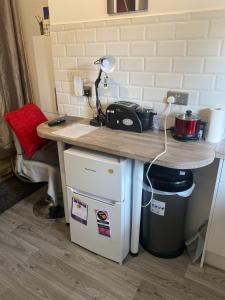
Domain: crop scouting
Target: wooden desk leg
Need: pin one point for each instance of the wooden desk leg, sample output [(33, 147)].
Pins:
[(61, 147), (137, 181)]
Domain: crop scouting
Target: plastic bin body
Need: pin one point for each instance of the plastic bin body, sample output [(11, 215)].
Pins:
[(163, 236), (162, 231)]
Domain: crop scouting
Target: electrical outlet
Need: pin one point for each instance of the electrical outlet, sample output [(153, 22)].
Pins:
[(180, 98), (87, 91)]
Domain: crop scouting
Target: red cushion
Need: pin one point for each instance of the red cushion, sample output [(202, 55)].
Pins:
[(24, 122)]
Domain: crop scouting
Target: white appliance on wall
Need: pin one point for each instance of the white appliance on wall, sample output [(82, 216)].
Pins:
[(99, 201)]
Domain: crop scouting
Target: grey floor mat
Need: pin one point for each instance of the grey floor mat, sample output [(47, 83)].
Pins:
[(13, 190)]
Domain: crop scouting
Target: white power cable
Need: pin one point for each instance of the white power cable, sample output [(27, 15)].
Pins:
[(170, 101)]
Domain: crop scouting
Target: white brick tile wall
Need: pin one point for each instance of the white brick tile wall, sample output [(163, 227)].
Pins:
[(58, 86), (94, 24), (105, 101), (147, 104), (117, 49), (54, 39), (85, 63), (61, 75), (141, 79), (71, 110), (223, 49), (210, 14), (160, 32), (154, 54), (73, 26), (215, 65), (193, 97), (68, 62), (187, 65), (132, 33), (66, 37), (142, 48), (204, 48), (111, 91), (118, 78), (159, 107), (131, 64), (78, 100), (86, 112), (129, 92), (154, 94), (173, 48), (56, 64), (217, 28), (220, 83), (158, 64), (92, 75), (215, 99), (87, 35), (71, 74), (168, 80), (145, 20), (63, 98), (75, 50), (196, 82), (95, 49), (192, 30), (117, 22), (58, 50), (57, 27), (60, 108), (107, 34), (182, 109), (67, 87), (174, 17)]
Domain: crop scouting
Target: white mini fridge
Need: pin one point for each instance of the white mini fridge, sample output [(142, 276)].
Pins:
[(99, 201)]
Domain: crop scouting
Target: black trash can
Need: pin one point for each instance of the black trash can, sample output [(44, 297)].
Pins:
[(163, 221)]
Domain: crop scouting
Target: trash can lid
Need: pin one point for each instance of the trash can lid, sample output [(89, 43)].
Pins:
[(168, 179)]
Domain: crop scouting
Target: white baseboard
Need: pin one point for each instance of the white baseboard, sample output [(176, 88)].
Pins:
[(215, 260)]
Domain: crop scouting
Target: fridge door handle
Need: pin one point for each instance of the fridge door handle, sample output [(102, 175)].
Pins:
[(113, 203)]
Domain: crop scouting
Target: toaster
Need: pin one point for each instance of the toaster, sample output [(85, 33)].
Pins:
[(125, 115)]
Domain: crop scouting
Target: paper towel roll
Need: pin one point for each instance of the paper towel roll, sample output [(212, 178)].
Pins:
[(216, 125)]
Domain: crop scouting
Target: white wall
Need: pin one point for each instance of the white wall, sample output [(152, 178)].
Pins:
[(83, 10), (28, 9), (184, 52)]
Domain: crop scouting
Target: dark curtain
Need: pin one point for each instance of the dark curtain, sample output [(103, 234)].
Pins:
[(15, 88)]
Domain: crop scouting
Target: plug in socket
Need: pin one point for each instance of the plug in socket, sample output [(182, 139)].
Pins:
[(87, 91), (180, 98)]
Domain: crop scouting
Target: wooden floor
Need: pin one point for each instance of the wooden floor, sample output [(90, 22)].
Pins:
[(37, 261)]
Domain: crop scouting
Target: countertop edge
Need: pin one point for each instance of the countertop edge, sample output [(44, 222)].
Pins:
[(179, 165)]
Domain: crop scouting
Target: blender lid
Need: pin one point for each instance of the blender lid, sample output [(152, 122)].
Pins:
[(188, 116)]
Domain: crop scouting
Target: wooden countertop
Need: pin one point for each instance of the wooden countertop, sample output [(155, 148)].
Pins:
[(142, 146)]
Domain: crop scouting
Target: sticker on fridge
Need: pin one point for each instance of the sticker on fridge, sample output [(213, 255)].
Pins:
[(158, 207), (79, 211), (103, 222)]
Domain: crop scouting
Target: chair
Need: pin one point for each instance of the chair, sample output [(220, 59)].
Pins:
[(36, 159), (43, 166)]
